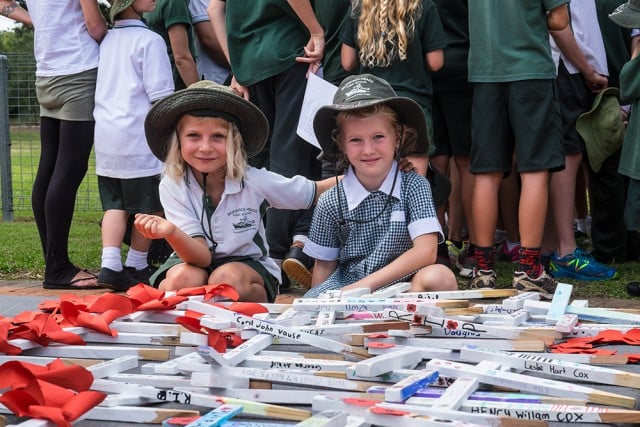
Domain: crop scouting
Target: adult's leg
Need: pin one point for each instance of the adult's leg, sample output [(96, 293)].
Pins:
[(49, 141), (71, 163)]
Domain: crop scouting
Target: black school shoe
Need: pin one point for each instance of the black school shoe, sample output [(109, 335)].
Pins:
[(634, 288), (143, 275), (117, 280), (297, 265)]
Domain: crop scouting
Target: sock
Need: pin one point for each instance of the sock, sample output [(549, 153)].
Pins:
[(136, 259), (529, 262), (111, 258), (485, 257), (300, 238)]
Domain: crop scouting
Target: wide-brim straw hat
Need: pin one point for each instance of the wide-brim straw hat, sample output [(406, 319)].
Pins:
[(118, 6), (602, 127), (361, 91), (209, 99), (627, 15)]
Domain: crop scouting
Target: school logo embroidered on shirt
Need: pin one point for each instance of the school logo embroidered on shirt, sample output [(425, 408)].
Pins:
[(243, 223)]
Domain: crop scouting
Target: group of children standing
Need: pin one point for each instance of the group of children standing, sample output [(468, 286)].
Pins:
[(376, 224)]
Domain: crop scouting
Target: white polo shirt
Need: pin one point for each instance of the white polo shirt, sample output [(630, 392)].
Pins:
[(134, 71), (236, 224), (62, 44)]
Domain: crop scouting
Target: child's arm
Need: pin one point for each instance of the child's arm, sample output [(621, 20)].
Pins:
[(96, 24), (348, 57), (435, 60), (568, 45), (322, 270), (314, 50), (422, 253), (323, 185), (558, 18), (11, 9), (186, 65), (191, 250)]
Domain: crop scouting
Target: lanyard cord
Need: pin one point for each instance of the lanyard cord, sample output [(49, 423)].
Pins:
[(203, 216), (342, 221)]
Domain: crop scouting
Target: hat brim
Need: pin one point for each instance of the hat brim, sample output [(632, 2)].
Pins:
[(626, 16), (160, 123), (596, 146), (410, 113)]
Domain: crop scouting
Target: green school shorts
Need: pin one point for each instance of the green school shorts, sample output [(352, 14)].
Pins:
[(134, 195), (521, 117)]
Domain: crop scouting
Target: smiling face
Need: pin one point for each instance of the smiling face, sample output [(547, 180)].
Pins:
[(370, 143), (203, 143)]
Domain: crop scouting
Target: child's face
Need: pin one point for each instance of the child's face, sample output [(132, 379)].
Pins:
[(144, 5), (203, 142), (369, 144)]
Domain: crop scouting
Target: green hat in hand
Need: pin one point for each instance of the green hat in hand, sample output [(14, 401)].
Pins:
[(602, 127)]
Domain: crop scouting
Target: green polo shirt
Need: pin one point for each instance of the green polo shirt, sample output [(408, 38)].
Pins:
[(166, 14), (332, 14), (264, 37), (455, 21), (509, 40)]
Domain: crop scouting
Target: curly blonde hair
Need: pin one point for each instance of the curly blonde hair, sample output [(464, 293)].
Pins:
[(176, 167), (385, 29)]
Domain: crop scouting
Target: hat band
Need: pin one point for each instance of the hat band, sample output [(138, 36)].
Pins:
[(211, 113)]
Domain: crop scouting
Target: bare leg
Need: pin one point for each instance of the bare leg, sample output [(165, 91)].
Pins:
[(246, 281), (183, 276)]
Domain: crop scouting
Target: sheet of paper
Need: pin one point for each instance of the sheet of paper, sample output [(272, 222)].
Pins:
[(318, 93)]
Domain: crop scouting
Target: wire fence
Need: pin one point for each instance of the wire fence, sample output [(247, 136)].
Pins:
[(24, 138)]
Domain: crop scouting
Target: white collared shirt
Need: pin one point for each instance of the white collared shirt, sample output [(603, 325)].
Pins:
[(236, 224)]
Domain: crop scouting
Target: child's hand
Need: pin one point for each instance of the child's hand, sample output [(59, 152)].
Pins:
[(153, 226), (405, 165)]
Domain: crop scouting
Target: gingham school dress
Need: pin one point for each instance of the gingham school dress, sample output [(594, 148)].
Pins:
[(362, 249)]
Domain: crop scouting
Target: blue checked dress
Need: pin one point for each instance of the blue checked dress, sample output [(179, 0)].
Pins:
[(362, 249)]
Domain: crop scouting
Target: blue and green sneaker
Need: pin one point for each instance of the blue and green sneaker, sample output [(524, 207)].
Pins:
[(580, 265)]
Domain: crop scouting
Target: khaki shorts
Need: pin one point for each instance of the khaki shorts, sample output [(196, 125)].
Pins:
[(67, 97)]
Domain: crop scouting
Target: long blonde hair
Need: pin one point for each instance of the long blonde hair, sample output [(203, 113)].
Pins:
[(175, 166), (385, 29)]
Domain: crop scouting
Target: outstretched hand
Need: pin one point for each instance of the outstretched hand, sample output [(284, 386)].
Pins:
[(153, 226)]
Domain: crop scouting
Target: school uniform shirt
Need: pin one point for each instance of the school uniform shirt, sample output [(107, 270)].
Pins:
[(453, 75), (234, 227), (586, 31), (630, 94), (62, 45), (509, 40), (208, 69), (332, 15), (264, 38), (363, 248), (134, 71), (166, 14)]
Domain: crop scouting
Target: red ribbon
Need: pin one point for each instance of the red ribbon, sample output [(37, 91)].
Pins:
[(54, 392)]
